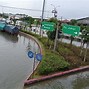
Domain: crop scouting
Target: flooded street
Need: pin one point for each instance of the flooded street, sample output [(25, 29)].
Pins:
[(15, 65), (75, 81)]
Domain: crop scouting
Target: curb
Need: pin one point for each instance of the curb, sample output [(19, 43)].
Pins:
[(29, 36), (32, 81)]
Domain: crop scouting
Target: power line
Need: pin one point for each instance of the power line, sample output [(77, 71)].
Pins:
[(23, 9)]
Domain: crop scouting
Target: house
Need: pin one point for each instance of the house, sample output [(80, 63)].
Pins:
[(65, 21), (19, 23), (84, 21)]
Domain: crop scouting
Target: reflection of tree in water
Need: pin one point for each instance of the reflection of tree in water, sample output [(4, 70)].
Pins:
[(32, 46), (35, 47), (57, 86), (9, 37), (29, 46), (81, 82)]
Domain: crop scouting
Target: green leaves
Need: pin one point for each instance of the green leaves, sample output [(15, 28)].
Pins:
[(85, 35), (52, 63), (51, 34)]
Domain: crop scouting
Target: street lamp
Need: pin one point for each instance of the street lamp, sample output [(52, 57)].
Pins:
[(42, 14), (55, 16), (54, 10)]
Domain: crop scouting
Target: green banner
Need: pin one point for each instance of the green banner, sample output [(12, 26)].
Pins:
[(48, 26), (70, 29)]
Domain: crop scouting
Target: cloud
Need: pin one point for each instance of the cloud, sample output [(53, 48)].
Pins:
[(67, 9)]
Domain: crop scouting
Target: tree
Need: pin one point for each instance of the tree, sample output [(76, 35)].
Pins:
[(82, 40), (54, 34), (3, 15), (51, 35), (28, 20), (0, 15), (82, 27), (52, 20), (85, 37), (36, 22), (72, 22), (87, 42), (14, 20)]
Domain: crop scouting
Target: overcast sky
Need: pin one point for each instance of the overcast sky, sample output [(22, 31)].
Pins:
[(69, 9)]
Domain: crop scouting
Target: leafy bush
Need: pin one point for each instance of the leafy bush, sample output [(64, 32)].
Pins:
[(52, 63), (64, 50)]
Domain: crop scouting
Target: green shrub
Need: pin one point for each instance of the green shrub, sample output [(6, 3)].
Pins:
[(64, 50), (52, 63)]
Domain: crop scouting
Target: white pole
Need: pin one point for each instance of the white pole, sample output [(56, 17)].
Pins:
[(34, 65), (42, 16)]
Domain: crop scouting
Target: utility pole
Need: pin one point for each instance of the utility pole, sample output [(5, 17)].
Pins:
[(55, 16), (42, 16), (56, 37)]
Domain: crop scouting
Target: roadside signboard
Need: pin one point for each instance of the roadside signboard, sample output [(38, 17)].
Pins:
[(35, 56), (71, 30), (39, 57), (48, 26), (30, 54)]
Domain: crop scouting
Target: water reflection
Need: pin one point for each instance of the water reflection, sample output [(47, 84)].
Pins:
[(75, 81), (29, 46), (15, 65), (9, 37), (84, 80)]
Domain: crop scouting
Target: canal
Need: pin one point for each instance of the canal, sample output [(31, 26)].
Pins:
[(15, 65)]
